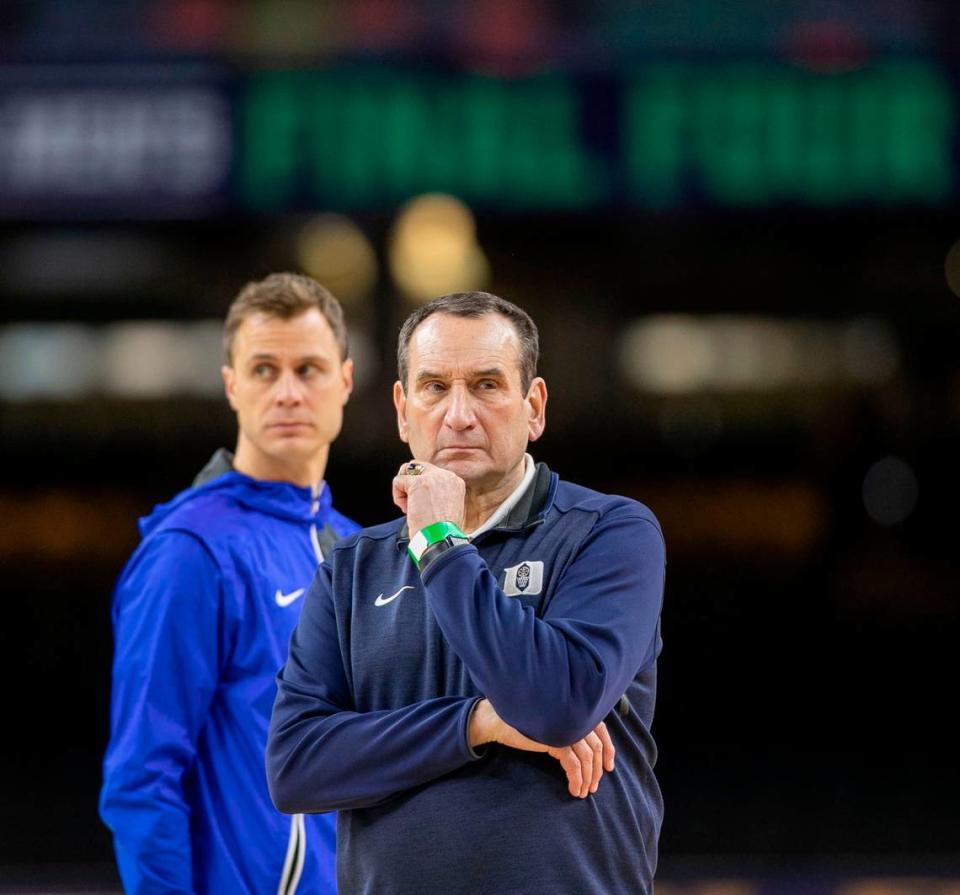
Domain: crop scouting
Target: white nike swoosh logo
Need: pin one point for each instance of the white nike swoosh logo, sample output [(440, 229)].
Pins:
[(382, 600), (286, 599)]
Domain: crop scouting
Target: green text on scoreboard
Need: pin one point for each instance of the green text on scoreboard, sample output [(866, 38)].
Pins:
[(670, 135)]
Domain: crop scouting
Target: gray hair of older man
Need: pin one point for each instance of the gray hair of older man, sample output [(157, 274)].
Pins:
[(474, 304)]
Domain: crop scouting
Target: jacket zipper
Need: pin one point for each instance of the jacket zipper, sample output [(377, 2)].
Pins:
[(314, 537)]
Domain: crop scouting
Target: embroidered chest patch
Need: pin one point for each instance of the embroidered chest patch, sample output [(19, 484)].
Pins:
[(525, 578)]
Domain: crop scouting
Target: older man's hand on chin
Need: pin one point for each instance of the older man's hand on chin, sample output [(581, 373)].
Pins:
[(426, 494)]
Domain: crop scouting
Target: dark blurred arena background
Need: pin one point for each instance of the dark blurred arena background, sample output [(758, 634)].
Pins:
[(735, 223)]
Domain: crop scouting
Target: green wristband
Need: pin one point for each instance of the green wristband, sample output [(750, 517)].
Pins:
[(433, 534)]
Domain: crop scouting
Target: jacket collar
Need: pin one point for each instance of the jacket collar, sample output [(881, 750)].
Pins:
[(218, 464), (529, 510), (283, 500)]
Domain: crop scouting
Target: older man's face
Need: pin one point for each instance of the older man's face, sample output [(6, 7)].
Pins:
[(464, 408)]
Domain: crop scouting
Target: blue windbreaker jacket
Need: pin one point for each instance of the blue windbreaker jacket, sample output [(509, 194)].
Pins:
[(202, 615), (553, 615)]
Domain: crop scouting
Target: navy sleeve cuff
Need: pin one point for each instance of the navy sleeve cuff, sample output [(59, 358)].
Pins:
[(439, 560), (466, 734)]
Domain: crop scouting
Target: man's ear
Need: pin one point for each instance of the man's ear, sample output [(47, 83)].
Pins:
[(346, 371), (537, 408), (229, 384), (400, 402)]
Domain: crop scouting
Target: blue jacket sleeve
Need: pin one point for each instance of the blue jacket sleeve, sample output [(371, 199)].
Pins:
[(555, 678), (165, 672), (322, 754)]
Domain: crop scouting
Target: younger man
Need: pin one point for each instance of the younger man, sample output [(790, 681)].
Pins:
[(204, 610)]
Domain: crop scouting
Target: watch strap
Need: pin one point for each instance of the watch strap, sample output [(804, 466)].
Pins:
[(435, 551), (431, 535)]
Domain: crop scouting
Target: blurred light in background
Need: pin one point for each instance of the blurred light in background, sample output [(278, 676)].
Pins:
[(871, 353), (495, 30), (889, 491), (74, 260), (782, 518), (433, 249), (828, 45), (190, 25), (952, 268), (714, 887), (668, 354), (685, 354), (293, 28), (65, 141), (155, 359), (384, 25), (132, 359), (90, 525), (48, 360), (905, 885), (366, 359), (506, 36), (335, 251)]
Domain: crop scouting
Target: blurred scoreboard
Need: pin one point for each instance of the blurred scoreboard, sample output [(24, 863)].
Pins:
[(113, 142), (184, 142)]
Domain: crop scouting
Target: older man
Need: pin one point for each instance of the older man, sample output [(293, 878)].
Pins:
[(204, 610), (460, 679)]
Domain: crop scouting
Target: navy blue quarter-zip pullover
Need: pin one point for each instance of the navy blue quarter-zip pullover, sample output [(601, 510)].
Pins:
[(553, 616)]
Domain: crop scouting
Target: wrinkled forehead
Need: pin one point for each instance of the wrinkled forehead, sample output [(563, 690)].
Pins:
[(448, 344)]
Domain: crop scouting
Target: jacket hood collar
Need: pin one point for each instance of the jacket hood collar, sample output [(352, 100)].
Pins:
[(221, 462), (529, 510), (280, 499)]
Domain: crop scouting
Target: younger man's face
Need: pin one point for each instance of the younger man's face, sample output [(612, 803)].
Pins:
[(288, 386)]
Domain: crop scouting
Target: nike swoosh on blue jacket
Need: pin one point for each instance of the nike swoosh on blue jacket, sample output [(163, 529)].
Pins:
[(199, 638)]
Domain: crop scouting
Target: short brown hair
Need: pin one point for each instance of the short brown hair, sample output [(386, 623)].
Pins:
[(475, 304), (283, 295)]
